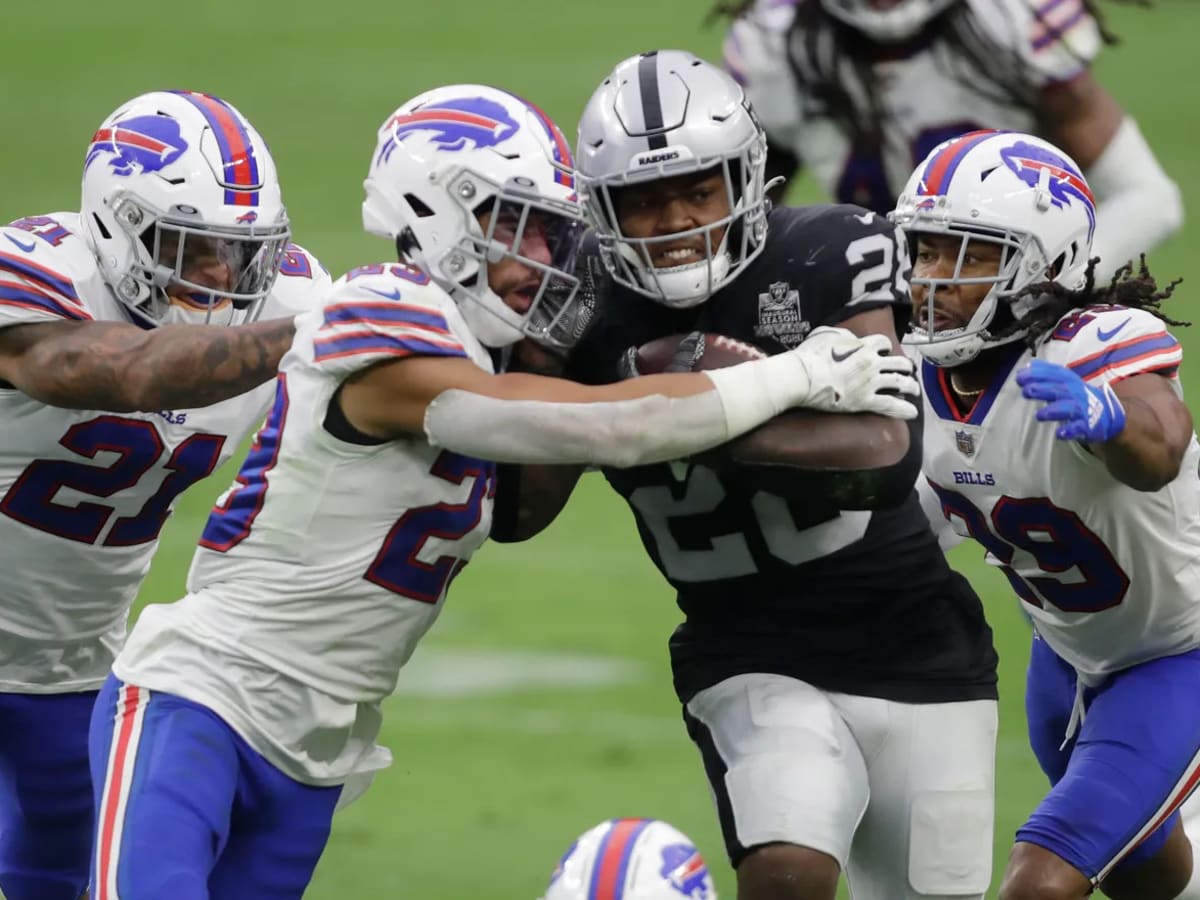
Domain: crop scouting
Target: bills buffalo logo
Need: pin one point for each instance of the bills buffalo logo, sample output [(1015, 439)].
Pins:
[(138, 144), (1066, 185), (468, 123), (683, 868), (247, 218)]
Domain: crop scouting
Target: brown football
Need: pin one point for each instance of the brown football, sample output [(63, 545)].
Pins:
[(718, 352), (800, 440)]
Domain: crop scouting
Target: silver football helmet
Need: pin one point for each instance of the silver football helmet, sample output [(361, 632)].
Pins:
[(886, 21), (659, 115)]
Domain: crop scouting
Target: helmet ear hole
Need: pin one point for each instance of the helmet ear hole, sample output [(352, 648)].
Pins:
[(104, 232), (419, 207), (407, 244)]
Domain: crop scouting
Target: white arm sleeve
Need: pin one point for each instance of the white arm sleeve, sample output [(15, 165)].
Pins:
[(621, 433), (1139, 205), (618, 433)]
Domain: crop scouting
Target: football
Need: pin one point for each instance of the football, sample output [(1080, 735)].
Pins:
[(800, 452), (715, 352)]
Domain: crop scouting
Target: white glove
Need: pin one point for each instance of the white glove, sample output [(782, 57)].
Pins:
[(847, 373), (833, 370)]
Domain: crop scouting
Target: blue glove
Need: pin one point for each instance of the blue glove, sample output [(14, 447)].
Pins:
[(1087, 413)]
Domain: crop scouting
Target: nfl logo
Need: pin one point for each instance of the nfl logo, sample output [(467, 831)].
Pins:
[(965, 442)]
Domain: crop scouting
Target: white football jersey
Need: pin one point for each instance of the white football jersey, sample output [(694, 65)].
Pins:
[(927, 91), (324, 564), (84, 494), (1110, 575)]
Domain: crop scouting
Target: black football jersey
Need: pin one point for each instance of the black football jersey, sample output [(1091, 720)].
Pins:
[(852, 601)]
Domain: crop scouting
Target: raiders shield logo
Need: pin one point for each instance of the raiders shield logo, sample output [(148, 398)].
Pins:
[(779, 315), (965, 442)]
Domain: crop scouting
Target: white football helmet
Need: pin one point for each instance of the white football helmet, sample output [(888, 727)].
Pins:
[(659, 115), (177, 184), (886, 21), (635, 859), (1012, 189), (451, 155)]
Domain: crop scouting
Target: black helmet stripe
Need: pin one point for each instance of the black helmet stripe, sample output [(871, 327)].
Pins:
[(651, 101)]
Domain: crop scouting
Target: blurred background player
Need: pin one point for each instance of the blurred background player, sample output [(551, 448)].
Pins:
[(1085, 498), (837, 677), (112, 337), (367, 490), (860, 90), (631, 859)]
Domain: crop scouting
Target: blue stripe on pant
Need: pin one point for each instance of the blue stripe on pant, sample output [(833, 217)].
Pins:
[(45, 795), (187, 809)]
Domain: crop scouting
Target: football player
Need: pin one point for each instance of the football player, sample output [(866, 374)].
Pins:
[(239, 716), (639, 859), (121, 385), (836, 676), (1056, 437), (860, 90)]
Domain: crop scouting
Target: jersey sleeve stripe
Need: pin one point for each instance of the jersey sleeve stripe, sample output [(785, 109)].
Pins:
[(39, 274), (1050, 32), (385, 314), (1124, 353), (337, 347), (29, 298), (1159, 361)]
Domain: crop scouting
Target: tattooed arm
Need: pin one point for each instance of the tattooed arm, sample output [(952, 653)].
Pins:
[(118, 367)]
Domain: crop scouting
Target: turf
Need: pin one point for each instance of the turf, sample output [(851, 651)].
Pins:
[(494, 773)]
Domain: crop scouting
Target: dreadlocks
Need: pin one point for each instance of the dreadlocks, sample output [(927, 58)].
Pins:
[(1139, 291), (733, 9)]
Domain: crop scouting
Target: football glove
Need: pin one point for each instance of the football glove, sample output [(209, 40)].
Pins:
[(846, 373), (1086, 413)]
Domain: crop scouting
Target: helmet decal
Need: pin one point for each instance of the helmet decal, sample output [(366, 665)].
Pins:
[(1028, 161), (138, 144), (468, 123)]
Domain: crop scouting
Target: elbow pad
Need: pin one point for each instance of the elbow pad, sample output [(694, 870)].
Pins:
[(1139, 205)]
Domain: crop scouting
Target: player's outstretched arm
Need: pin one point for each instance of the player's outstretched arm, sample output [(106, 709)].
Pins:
[(1139, 427), (119, 367), (518, 418), (1139, 205)]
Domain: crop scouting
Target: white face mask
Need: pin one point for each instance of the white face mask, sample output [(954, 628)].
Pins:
[(686, 286)]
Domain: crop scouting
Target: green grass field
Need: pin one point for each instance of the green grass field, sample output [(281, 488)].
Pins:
[(541, 702)]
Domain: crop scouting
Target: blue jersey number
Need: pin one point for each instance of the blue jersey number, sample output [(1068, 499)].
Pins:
[(138, 446), (1058, 541), (230, 520), (396, 566)]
